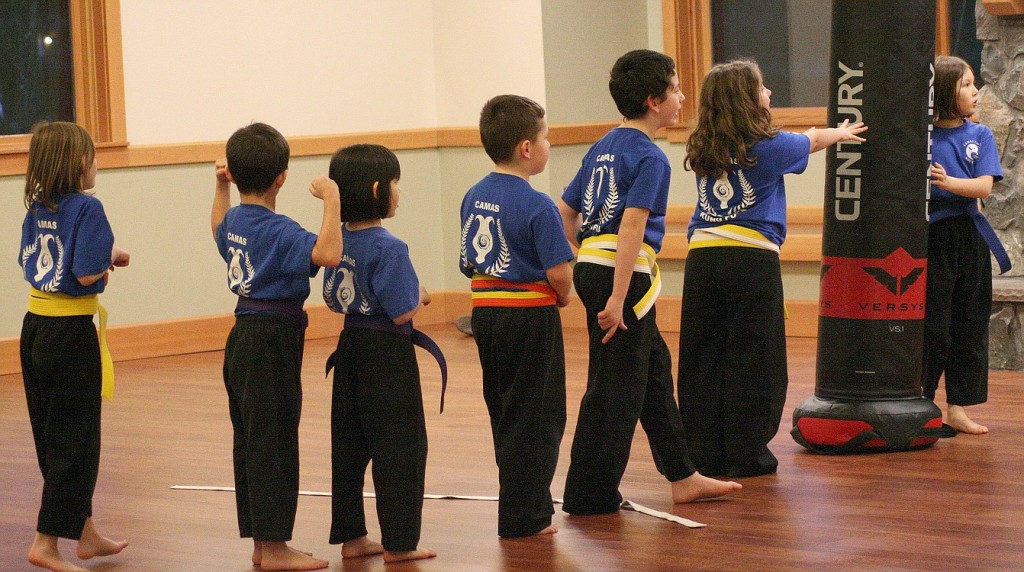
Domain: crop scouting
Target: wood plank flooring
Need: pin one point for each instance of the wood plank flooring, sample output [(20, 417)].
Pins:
[(956, 506)]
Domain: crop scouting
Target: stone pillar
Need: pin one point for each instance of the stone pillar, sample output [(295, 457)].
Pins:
[(1001, 107)]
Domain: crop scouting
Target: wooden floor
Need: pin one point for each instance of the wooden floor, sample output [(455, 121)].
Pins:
[(956, 506)]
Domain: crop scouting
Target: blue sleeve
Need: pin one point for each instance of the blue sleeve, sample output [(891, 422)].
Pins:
[(650, 187), (464, 266), (573, 193), (296, 248), (549, 237), (794, 150), (27, 236), (94, 241), (394, 281), (988, 159)]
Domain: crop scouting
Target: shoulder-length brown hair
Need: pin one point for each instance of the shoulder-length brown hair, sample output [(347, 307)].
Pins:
[(57, 156), (949, 70), (730, 119)]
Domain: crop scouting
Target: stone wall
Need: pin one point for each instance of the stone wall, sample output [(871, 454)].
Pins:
[(1001, 107)]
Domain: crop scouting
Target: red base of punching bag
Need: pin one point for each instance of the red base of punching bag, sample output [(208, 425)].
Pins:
[(836, 427)]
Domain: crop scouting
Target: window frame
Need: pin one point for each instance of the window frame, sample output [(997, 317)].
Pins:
[(686, 25), (98, 83)]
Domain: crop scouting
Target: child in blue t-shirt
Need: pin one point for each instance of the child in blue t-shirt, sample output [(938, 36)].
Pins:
[(732, 342), (514, 248), (67, 252), (377, 404), (959, 294), (270, 260), (615, 209)]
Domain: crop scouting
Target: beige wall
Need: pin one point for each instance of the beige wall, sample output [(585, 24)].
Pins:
[(330, 67)]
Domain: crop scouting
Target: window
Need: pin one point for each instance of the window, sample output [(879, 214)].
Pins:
[(36, 80), (95, 31), (699, 33)]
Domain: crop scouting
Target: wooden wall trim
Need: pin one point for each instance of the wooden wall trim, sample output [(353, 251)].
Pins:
[(113, 155), (208, 333), (1004, 7)]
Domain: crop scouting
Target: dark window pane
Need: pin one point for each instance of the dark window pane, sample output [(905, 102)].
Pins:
[(963, 36), (36, 79), (789, 39)]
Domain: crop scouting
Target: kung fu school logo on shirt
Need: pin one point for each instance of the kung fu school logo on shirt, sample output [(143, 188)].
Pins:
[(601, 177), (890, 288), (972, 149), (717, 209), (44, 245), (483, 245), (237, 280)]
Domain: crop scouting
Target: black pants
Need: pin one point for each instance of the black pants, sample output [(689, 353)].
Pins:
[(377, 414), (263, 377), (629, 378), (732, 359), (523, 362), (60, 364), (958, 305)]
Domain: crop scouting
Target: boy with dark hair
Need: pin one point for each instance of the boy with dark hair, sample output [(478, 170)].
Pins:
[(621, 190), (270, 260), (513, 248)]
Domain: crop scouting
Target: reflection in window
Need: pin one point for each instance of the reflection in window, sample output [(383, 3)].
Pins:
[(36, 77), (789, 39)]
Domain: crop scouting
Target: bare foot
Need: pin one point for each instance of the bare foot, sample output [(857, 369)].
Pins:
[(257, 552), (420, 554), (697, 486), (44, 554), (279, 556), (361, 546), (92, 543), (956, 417)]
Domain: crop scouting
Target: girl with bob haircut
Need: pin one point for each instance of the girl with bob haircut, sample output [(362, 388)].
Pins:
[(67, 252), (959, 294), (732, 346), (377, 404)]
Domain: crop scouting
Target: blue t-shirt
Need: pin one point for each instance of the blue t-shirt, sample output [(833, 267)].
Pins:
[(966, 152), (510, 231), (59, 247), (269, 255), (753, 198), (375, 277), (623, 169)]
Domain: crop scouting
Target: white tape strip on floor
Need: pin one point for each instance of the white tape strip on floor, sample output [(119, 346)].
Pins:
[(630, 505), (627, 505)]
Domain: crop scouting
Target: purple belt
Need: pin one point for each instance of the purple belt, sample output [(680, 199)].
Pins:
[(384, 324), (984, 229), (291, 308)]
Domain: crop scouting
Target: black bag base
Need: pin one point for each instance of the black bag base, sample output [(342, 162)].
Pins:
[(834, 427)]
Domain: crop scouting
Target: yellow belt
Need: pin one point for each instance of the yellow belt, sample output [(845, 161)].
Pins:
[(59, 305), (730, 235), (733, 236), (601, 249)]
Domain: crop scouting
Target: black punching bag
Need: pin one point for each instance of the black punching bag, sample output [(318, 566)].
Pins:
[(875, 242)]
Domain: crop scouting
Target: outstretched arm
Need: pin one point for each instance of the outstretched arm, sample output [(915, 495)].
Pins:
[(822, 138), (221, 196)]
